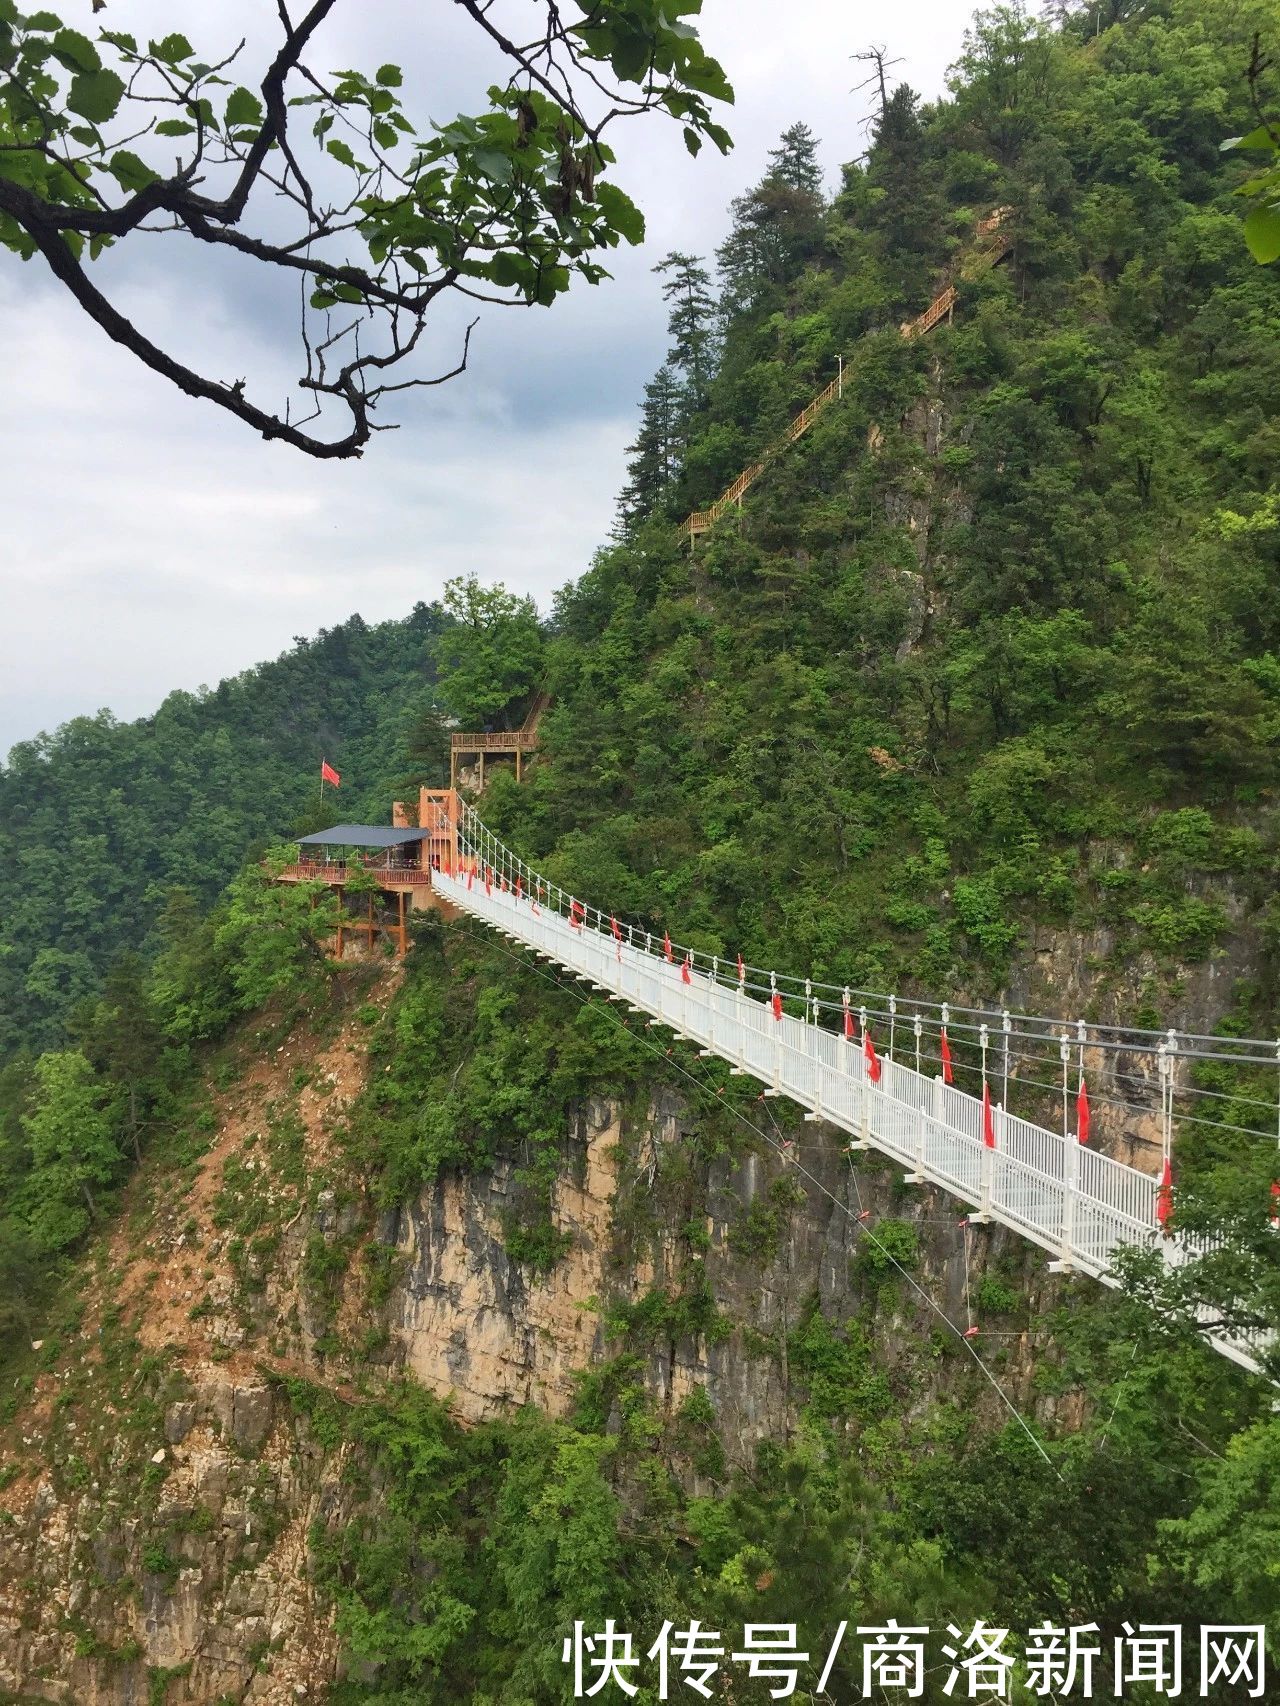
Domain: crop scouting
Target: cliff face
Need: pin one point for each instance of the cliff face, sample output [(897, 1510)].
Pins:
[(161, 1486)]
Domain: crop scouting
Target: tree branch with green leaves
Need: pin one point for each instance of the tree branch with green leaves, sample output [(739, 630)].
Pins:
[(324, 179)]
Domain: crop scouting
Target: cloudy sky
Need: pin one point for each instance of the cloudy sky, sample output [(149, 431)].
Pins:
[(151, 542)]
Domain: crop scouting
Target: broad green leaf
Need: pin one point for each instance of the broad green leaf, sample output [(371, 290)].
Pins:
[(121, 39), (95, 95), (45, 22), (172, 49), (129, 171), (75, 51), (1262, 234), (621, 212), (495, 165), (1260, 138), (342, 153), (389, 76), (692, 141), (174, 127), (243, 107)]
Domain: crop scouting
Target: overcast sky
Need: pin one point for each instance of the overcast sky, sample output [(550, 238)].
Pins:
[(151, 542)]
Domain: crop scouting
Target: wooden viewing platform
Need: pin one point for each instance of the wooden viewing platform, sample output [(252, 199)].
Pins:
[(400, 860), (502, 742)]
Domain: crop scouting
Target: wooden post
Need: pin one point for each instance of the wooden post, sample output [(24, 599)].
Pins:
[(342, 901), (481, 789), (404, 947), (371, 924), (517, 764)]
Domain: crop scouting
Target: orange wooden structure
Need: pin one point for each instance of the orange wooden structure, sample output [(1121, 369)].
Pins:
[(502, 742), (399, 865)]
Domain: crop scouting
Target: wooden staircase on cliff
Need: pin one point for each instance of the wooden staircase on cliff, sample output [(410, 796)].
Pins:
[(994, 243)]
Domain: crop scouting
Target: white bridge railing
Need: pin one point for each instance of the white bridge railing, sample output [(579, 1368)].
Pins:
[(1075, 1202)]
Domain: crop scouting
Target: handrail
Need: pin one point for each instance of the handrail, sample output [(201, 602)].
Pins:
[(1077, 1203), (497, 740), (987, 255)]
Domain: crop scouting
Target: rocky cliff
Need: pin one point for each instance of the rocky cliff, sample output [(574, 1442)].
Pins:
[(162, 1482)]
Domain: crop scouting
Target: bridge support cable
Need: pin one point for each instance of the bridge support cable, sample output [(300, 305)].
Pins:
[(1074, 1202)]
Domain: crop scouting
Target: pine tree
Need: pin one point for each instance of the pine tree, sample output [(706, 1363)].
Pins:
[(654, 459), (794, 161), (777, 227), (910, 212), (690, 325)]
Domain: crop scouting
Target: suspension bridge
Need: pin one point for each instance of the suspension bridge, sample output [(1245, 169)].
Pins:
[(813, 1043)]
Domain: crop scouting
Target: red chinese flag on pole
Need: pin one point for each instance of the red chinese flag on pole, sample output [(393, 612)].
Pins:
[(577, 912), (666, 945), (686, 970), (848, 1026), (948, 1077), (742, 970), (488, 880), (871, 1057), (519, 887), (1275, 1203), (613, 925), (328, 773), (776, 1004), (1082, 1112), (471, 876), (988, 1117), (1164, 1196)]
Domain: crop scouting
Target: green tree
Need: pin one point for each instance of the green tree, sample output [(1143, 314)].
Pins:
[(122, 1039), (72, 1130), (509, 204), (653, 461), (490, 658), (275, 935)]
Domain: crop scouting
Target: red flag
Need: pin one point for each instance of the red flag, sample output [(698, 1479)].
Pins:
[(613, 925), (686, 972), (666, 945), (742, 970), (488, 880), (1275, 1203), (577, 912), (328, 773), (848, 1026), (471, 876), (776, 1005), (519, 887), (988, 1117), (948, 1077), (870, 1056), (1164, 1196), (504, 884), (1082, 1112)]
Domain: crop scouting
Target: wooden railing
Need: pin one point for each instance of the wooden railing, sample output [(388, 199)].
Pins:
[(987, 255), (498, 740), (342, 870)]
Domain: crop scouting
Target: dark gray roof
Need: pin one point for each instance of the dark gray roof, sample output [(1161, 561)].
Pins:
[(362, 835)]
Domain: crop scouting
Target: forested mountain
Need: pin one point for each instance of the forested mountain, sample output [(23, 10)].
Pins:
[(978, 693), (996, 645), (102, 821)]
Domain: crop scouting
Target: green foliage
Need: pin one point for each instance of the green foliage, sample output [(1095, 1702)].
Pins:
[(142, 814), (489, 658)]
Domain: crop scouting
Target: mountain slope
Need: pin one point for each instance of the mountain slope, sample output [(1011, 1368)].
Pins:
[(101, 820)]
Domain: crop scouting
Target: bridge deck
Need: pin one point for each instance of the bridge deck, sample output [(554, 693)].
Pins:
[(1076, 1203)]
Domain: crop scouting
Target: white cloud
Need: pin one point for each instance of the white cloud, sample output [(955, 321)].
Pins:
[(151, 542)]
